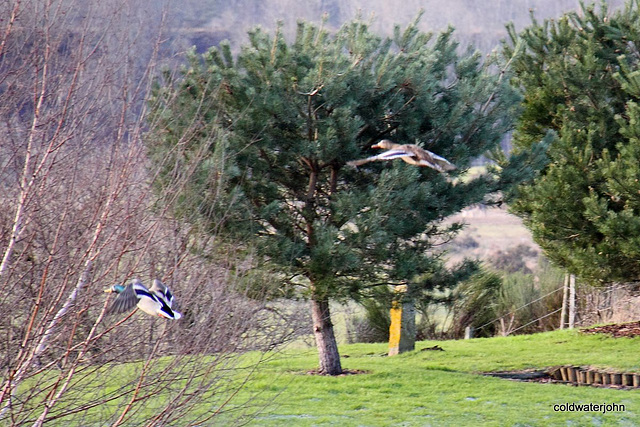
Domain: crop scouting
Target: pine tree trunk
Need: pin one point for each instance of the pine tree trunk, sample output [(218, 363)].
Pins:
[(325, 338)]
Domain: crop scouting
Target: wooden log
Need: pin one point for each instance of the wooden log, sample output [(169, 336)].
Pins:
[(590, 377), (581, 376), (636, 380), (627, 380), (555, 373), (572, 375), (616, 379), (564, 373), (606, 379), (597, 377)]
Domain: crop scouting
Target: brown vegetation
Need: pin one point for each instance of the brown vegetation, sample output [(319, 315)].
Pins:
[(77, 215), (630, 330)]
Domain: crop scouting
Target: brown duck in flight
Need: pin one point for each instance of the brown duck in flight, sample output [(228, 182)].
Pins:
[(410, 153)]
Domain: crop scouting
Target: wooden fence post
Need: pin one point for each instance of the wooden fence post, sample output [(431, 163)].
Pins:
[(572, 301), (565, 297), (402, 332), (468, 333)]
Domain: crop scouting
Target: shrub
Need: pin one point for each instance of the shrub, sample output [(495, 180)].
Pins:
[(493, 303), (513, 259), (372, 326)]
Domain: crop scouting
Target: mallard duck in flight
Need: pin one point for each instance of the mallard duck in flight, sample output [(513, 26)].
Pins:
[(410, 153), (156, 301)]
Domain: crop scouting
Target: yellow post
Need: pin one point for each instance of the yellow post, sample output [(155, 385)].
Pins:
[(402, 332), (394, 329)]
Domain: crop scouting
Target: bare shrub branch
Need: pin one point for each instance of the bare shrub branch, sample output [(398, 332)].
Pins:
[(78, 215)]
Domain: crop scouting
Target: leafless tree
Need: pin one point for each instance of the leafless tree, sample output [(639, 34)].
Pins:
[(77, 215)]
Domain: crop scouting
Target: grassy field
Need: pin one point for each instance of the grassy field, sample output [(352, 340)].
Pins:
[(442, 388), (421, 388)]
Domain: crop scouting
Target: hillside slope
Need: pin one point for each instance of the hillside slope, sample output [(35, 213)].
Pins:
[(206, 22)]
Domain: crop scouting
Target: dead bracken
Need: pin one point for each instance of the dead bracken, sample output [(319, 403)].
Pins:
[(630, 330)]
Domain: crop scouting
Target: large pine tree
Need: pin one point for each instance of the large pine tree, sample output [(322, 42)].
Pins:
[(265, 138), (579, 76)]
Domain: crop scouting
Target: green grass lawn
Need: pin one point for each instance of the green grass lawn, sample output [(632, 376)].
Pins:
[(421, 388), (443, 387)]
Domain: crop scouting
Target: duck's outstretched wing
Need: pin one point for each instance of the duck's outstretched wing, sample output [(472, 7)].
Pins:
[(165, 298), (125, 301), (387, 155), (421, 157), (438, 163), (432, 161), (162, 291)]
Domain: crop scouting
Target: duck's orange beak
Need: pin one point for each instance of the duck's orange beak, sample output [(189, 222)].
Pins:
[(376, 145)]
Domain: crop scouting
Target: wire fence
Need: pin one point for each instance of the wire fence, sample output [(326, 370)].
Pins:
[(594, 302), (513, 312), (535, 320)]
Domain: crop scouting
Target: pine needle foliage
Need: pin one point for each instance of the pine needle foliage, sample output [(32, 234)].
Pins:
[(580, 81)]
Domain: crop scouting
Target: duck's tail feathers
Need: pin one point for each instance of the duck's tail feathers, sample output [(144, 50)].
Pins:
[(442, 163), (167, 313)]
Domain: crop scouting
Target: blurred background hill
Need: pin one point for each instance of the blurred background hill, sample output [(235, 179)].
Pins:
[(203, 23)]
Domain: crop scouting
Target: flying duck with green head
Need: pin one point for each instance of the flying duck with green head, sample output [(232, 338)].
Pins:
[(156, 301)]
